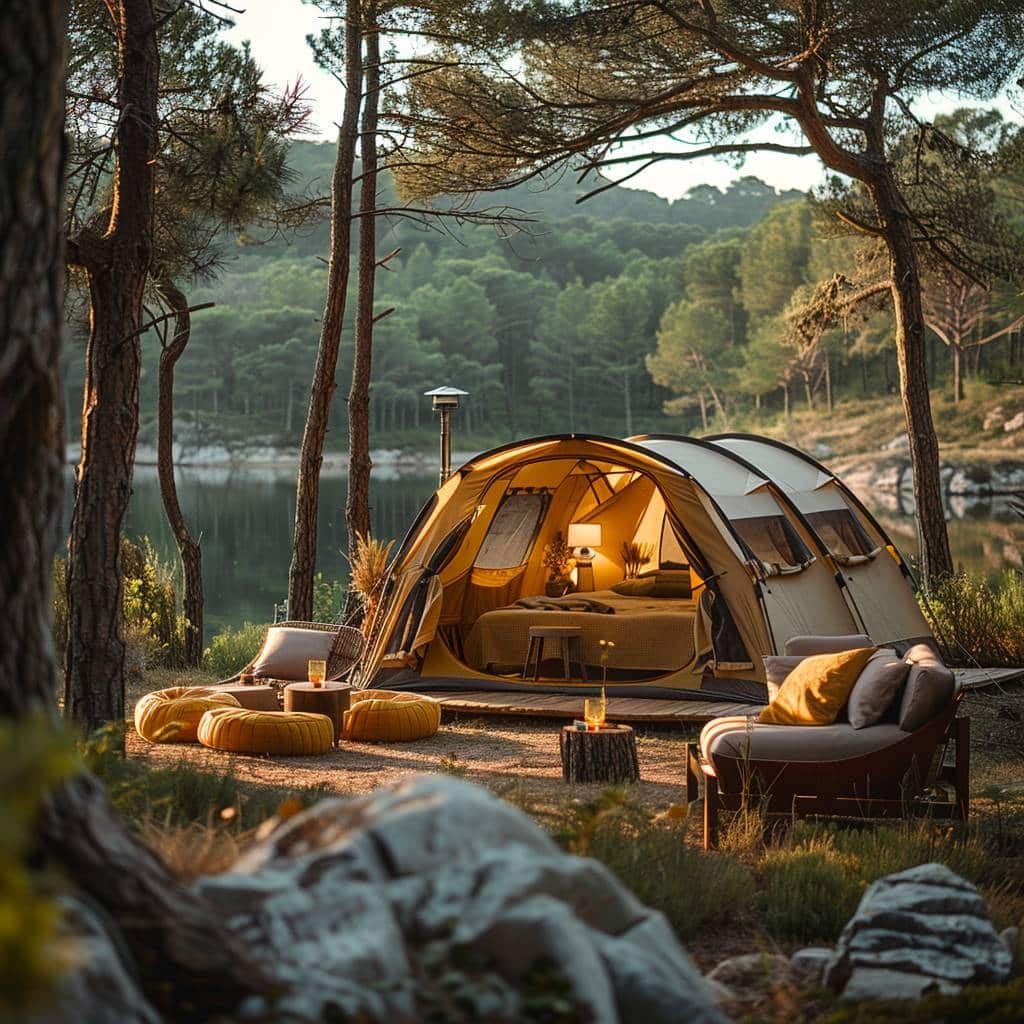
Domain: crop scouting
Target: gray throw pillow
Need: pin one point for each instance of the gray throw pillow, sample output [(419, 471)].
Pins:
[(776, 668), (287, 650), (876, 688), (930, 688), (808, 645)]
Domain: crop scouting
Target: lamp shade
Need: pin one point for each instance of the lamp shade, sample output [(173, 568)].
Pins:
[(584, 535)]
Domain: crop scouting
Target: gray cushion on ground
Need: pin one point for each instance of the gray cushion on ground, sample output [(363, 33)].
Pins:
[(736, 737), (807, 645), (929, 688)]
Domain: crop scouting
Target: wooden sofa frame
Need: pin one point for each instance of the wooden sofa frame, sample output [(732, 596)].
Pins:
[(885, 784)]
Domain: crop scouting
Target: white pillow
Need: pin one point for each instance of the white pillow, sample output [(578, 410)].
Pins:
[(287, 650)]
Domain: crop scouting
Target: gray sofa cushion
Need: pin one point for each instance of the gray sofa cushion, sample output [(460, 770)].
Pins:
[(807, 645), (738, 737), (929, 688), (876, 689), (776, 668)]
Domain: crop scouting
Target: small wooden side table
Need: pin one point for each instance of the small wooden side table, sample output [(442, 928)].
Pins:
[(599, 755), (330, 699), (571, 639)]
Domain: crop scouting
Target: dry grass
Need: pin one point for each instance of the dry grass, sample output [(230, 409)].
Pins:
[(368, 565)]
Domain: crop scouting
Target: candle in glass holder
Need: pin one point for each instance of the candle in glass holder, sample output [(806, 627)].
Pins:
[(594, 712), (317, 670)]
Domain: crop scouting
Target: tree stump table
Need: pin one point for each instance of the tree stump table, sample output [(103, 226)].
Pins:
[(599, 755), (330, 699)]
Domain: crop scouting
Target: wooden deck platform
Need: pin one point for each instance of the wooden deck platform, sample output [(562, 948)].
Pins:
[(979, 678), (641, 709), (557, 705)]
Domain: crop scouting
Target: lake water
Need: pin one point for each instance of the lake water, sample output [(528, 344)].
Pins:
[(245, 517)]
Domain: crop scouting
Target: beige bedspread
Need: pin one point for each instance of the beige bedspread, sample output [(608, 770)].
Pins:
[(649, 633)]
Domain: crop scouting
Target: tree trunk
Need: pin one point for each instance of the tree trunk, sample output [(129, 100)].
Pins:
[(188, 549), (32, 54), (307, 491), (357, 507), (936, 559), (958, 379), (703, 410), (785, 400), (808, 392), (182, 948), (829, 402), (116, 265)]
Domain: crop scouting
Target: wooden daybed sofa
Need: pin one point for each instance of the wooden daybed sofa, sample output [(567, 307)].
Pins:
[(881, 771)]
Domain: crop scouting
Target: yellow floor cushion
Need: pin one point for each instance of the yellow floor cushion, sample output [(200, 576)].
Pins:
[(387, 716), (285, 733), (172, 716)]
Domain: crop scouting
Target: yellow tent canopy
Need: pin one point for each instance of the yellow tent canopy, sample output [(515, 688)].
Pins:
[(741, 567)]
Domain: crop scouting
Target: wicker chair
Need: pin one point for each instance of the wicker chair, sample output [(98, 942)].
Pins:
[(345, 652)]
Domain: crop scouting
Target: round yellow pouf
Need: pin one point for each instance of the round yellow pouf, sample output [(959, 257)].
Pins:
[(180, 707), (386, 716), (285, 733)]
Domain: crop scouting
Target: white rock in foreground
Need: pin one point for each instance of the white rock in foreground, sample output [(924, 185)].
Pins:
[(919, 930), (432, 899)]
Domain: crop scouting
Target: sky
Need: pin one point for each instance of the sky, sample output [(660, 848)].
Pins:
[(277, 31)]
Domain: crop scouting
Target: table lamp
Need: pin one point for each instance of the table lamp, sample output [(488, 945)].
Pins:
[(583, 538)]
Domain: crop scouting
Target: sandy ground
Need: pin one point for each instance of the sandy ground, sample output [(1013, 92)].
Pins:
[(519, 760)]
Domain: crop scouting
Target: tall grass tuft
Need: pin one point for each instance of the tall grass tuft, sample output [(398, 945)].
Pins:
[(979, 621), (368, 569)]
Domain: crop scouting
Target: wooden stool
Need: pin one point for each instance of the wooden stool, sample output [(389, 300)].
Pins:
[(571, 638), (601, 755), (330, 699)]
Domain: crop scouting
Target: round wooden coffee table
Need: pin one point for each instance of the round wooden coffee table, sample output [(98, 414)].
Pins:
[(330, 699)]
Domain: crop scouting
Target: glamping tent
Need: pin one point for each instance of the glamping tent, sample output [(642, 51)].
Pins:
[(879, 588), (733, 569)]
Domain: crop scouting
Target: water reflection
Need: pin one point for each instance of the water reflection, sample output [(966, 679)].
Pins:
[(985, 533), (245, 519)]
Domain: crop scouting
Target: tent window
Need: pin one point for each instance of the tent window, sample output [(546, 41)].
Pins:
[(513, 530), (841, 533), (773, 540)]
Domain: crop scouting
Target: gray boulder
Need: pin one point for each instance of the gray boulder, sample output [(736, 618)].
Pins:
[(431, 899), (920, 930)]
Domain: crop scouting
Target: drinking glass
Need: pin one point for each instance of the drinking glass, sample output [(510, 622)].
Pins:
[(594, 711), (317, 670)]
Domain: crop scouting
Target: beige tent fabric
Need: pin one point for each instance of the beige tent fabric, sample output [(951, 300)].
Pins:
[(881, 596)]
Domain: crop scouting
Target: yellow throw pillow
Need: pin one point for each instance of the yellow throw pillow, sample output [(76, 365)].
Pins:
[(817, 689)]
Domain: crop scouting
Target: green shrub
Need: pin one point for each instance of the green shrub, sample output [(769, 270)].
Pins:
[(232, 649), (979, 621), (154, 628), (328, 599), (32, 760)]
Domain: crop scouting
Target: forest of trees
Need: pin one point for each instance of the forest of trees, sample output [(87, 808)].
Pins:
[(622, 314)]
